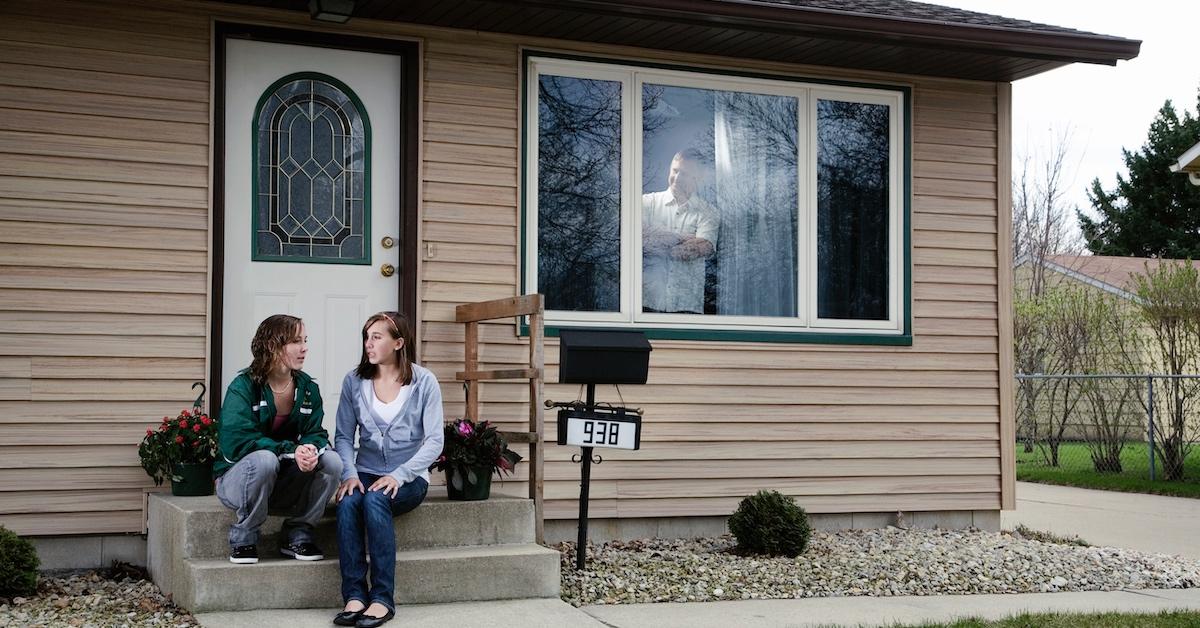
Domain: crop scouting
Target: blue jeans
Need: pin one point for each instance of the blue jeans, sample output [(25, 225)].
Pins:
[(261, 483), (364, 525)]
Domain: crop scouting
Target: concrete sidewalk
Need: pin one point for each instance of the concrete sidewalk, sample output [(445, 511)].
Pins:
[(1147, 523), (544, 613), (843, 611), (885, 611)]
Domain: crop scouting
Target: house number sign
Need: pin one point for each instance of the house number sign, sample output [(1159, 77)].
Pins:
[(614, 430)]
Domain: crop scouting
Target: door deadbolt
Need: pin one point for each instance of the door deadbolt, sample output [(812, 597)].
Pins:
[(388, 242), (387, 270)]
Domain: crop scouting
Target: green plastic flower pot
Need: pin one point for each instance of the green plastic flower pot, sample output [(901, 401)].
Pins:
[(192, 479), (474, 485)]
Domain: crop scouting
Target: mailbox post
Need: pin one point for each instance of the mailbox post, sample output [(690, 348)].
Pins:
[(593, 357)]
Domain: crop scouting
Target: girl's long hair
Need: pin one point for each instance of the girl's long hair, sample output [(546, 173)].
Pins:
[(398, 329), (273, 334)]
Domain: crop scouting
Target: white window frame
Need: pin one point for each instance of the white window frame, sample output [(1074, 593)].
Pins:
[(895, 217), (583, 70), (632, 78)]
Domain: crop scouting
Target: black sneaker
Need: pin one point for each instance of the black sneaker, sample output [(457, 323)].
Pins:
[(244, 554), (304, 550)]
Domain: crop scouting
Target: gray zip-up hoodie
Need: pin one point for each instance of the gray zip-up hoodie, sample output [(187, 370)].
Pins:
[(404, 448)]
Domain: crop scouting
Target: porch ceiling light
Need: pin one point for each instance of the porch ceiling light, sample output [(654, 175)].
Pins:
[(331, 10)]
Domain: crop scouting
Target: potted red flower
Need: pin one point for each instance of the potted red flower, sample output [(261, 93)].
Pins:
[(471, 453), (182, 449)]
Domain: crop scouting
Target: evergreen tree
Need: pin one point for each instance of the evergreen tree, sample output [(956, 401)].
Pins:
[(1155, 212)]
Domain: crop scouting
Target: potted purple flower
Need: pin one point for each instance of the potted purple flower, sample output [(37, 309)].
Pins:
[(471, 453)]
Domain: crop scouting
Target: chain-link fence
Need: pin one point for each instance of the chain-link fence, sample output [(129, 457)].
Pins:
[(1143, 427)]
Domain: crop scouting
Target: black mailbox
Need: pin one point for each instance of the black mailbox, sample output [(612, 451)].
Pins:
[(595, 356)]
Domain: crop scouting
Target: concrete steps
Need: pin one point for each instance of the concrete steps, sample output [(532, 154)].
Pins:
[(446, 552), (428, 576)]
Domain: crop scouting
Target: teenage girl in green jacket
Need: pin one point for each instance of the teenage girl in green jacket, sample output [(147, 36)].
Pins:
[(274, 455)]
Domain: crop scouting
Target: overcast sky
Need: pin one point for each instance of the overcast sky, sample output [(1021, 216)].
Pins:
[(1105, 107)]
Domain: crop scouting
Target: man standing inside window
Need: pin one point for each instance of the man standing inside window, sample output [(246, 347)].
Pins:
[(679, 232)]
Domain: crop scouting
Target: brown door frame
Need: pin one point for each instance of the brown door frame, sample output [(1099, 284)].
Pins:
[(406, 277)]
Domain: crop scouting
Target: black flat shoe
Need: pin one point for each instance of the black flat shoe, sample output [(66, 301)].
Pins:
[(348, 618), (366, 621)]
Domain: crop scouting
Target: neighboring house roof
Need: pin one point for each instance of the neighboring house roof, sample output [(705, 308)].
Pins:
[(1109, 273), (1189, 162), (885, 35)]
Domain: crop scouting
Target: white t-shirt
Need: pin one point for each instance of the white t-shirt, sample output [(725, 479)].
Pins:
[(670, 285), (390, 410)]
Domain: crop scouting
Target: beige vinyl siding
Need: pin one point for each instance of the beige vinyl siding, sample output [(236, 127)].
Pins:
[(104, 220), (1008, 427), (103, 253), (843, 428)]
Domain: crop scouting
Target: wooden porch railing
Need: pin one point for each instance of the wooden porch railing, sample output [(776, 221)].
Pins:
[(472, 314)]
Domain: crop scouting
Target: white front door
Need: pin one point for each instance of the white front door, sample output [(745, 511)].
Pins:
[(311, 164)]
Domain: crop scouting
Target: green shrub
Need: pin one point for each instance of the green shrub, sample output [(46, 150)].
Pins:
[(771, 523), (18, 565)]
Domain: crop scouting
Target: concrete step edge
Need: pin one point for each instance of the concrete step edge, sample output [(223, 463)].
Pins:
[(202, 528), (409, 555)]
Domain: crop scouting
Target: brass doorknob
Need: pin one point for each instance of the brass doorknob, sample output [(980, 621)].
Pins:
[(387, 270), (388, 242)]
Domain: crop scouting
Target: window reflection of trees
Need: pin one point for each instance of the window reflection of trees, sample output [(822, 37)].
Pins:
[(852, 210), (657, 119), (773, 120), (579, 193)]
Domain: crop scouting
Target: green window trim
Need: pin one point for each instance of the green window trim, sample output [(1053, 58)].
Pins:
[(734, 335), (800, 336)]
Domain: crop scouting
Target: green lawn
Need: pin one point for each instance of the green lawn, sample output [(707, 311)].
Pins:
[(1172, 619), (1075, 469)]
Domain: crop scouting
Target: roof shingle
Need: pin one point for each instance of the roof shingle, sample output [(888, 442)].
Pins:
[(1114, 271), (924, 12)]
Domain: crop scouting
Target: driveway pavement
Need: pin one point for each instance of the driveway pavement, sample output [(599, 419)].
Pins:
[(1147, 523)]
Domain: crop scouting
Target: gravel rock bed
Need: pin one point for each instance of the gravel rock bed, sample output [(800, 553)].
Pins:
[(887, 561), (94, 600)]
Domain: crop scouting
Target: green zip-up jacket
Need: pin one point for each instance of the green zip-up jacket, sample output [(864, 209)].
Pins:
[(249, 411)]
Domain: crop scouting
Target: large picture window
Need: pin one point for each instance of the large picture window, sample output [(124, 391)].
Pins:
[(677, 200)]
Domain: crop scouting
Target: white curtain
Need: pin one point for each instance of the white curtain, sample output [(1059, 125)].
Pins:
[(756, 192)]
